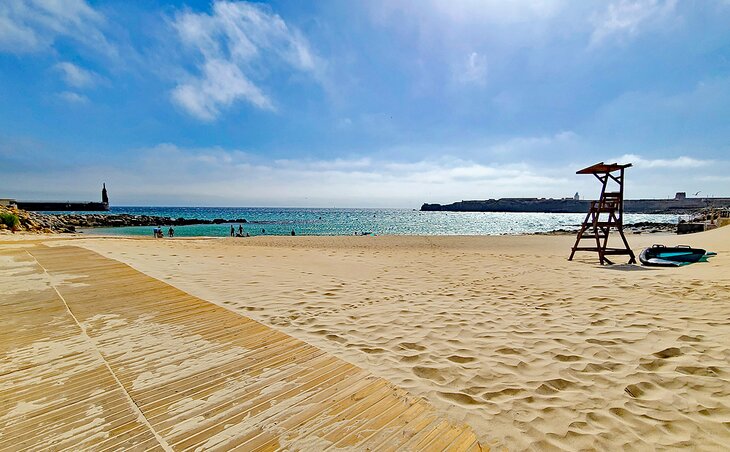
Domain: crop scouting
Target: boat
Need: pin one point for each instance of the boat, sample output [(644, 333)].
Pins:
[(677, 256)]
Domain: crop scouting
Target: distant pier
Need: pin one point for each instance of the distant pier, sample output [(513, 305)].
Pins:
[(66, 206)]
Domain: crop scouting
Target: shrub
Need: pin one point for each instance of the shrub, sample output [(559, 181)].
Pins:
[(10, 220)]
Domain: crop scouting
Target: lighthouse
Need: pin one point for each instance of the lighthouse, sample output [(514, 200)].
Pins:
[(104, 196)]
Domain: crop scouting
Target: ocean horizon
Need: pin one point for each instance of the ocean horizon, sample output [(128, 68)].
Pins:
[(357, 221)]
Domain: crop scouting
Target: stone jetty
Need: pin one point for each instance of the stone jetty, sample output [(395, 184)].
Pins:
[(54, 223), (117, 220)]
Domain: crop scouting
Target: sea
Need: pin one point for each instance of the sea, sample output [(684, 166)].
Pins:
[(340, 221)]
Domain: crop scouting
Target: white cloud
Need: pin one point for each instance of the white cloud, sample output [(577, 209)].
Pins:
[(33, 25), (238, 178), (692, 118), (221, 85), (516, 146), (625, 18), (170, 175), (236, 44), (678, 162), (465, 11), (73, 98), (76, 76), (473, 70), (337, 164)]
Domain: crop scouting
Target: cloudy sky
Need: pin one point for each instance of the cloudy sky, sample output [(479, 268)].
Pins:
[(373, 103)]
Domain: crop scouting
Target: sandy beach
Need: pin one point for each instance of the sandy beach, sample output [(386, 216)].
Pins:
[(503, 333)]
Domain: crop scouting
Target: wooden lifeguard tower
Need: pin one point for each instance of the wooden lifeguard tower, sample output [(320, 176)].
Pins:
[(604, 214)]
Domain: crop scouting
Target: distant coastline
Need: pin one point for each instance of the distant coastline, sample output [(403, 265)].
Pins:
[(679, 205)]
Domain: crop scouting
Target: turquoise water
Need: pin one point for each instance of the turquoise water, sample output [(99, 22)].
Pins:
[(281, 221)]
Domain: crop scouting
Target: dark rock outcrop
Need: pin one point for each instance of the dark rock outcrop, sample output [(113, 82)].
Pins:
[(117, 220)]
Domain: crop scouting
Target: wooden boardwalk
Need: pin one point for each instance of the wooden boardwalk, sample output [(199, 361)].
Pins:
[(96, 355)]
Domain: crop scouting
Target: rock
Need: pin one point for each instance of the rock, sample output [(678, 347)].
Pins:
[(690, 228), (67, 223)]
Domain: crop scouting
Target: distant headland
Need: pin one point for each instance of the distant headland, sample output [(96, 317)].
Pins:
[(680, 204)]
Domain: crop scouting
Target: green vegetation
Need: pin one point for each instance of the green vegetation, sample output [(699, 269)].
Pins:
[(10, 220)]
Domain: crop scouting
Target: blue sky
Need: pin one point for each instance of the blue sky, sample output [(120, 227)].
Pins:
[(376, 103)]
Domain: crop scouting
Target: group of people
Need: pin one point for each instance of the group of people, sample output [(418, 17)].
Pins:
[(157, 232), (240, 232)]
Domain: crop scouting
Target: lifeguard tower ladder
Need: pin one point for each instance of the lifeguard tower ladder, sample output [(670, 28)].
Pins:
[(604, 214)]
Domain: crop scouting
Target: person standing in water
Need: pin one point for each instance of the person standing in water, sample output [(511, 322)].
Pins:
[(240, 230), (293, 233), (171, 232), (233, 231)]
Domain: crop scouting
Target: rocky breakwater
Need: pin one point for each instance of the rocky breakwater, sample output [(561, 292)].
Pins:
[(641, 227), (120, 220), (14, 220)]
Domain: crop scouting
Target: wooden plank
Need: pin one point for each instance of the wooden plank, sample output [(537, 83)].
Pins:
[(158, 364), (55, 391)]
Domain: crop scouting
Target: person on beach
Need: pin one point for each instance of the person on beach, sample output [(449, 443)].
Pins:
[(170, 232), (233, 231), (240, 230), (293, 233)]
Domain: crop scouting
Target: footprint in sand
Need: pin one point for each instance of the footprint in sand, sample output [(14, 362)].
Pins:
[(461, 359), (430, 373), (411, 346), (670, 352), (508, 351), (410, 358), (555, 385), (685, 338), (601, 342), (459, 398), (639, 389), (604, 299), (711, 371), (652, 364), (336, 338), (504, 393), (567, 358)]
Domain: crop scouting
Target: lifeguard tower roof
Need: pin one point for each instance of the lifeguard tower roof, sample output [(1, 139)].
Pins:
[(602, 168)]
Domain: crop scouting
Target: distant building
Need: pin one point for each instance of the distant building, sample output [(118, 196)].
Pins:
[(104, 195), (576, 197), (680, 196)]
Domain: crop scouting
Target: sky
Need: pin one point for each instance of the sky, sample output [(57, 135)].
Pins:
[(379, 103)]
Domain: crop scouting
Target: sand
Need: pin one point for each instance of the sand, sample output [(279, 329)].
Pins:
[(531, 350)]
